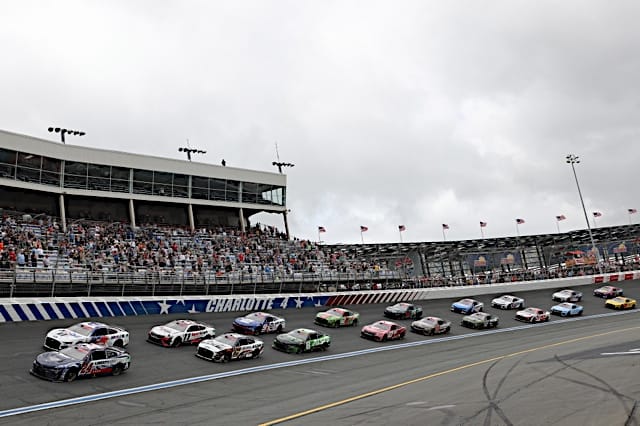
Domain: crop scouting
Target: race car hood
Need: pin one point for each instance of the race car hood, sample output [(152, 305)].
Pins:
[(525, 313), (161, 330), (394, 310), (288, 339), (214, 346), (325, 315), (373, 330), (500, 301), (461, 305), (64, 335), (247, 322), (55, 359), (470, 318), (422, 324)]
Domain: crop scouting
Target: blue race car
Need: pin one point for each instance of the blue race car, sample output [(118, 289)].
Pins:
[(259, 322), (567, 309), (467, 306)]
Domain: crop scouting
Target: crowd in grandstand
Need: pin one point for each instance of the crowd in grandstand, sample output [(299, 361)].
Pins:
[(39, 242)]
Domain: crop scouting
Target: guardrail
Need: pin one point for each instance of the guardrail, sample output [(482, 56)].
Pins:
[(22, 309)]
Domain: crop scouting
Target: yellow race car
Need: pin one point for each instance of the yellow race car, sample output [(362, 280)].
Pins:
[(620, 303)]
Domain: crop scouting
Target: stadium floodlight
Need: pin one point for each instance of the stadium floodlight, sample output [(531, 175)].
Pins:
[(65, 132), (189, 151), (573, 160)]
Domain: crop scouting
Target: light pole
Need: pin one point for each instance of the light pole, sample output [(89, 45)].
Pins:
[(65, 131), (280, 165), (573, 160)]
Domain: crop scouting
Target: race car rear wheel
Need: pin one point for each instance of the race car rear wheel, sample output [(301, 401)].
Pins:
[(71, 375), (256, 353), (118, 343), (117, 370), (225, 358), (279, 329), (354, 323)]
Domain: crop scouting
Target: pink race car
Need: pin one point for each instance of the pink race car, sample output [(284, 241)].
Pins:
[(383, 331)]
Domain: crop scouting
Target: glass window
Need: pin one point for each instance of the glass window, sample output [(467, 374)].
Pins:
[(7, 156), (199, 182), (233, 187), (160, 177), (29, 160), (120, 173), (182, 180), (200, 193), (96, 170), (28, 174), (51, 164), (75, 168), (142, 175), (50, 178)]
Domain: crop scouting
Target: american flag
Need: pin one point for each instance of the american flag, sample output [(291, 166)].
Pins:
[(519, 221), (322, 229), (483, 224), (632, 211), (560, 217), (363, 228), (445, 226), (597, 214), (402, 228)]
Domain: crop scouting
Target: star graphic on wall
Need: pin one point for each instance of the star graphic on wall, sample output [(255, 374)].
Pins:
[(193, 310), (164, 307), (284, 303), (318, 304), (299, 303), (180, 301)]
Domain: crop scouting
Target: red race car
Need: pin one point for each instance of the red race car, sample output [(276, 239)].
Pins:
[(383, 331), (532, 315), (608, 292)]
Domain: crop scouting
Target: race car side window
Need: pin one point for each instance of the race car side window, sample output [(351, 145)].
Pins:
[(312, 336), (98, 355), (111, 354), (100, 332)]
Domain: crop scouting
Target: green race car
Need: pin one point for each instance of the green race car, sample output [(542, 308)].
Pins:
[(301, 340), (337, 317)]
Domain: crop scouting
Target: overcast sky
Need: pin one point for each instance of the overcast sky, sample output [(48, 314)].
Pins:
[(399, 112)]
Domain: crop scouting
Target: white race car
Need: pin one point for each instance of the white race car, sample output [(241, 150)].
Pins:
[(508, 302), (567, 295), (86, 332), (230, 346), (180, 332)]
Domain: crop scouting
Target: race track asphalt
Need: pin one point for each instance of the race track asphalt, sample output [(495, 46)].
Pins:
[(481, 379)]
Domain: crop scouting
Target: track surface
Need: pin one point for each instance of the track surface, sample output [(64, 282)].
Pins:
[(570, 382)]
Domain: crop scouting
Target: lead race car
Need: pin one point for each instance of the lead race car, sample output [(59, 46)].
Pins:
[(180, 332), (567, 295), (230, 346), (258, 323), (83, 359), (86, 332), (608, 292)]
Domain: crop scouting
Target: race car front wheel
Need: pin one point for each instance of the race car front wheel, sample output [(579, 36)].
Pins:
[(117, 370), (71, 375)]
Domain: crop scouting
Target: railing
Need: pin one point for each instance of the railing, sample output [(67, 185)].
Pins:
[(36, 282)]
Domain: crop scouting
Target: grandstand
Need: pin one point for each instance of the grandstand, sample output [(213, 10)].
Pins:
[(131, 224)]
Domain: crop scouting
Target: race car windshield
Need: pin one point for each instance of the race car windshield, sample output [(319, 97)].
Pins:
[(429, 321), (299, 334), (74, 353), (227, 340), (178, 325), (466, 302), (381, 326), (256, 316), (334, 312), (85, 331)]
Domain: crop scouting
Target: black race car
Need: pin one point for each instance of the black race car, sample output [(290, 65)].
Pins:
[(403, 310), (83, 359)]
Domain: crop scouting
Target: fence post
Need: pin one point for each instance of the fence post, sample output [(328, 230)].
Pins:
[(13, 285)]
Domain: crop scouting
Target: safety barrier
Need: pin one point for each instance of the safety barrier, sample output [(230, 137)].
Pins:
[(12, 310)]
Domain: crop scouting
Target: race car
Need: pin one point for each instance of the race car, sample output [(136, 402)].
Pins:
[(467, 306), (403, 311), (480, 320), (431, 326), (229, 346), (608, 291), (301, 340), (82, 359), (532, 315), (567, 309), (180, 332), (337, 317), (86, 332), (620, 303), (258, 323), (567, 295), (383, 331), (508, 302)]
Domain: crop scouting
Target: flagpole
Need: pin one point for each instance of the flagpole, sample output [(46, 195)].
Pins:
[(361, 236), (558, 225), (517, 229), (444, 236), (481, 232), (400, 232), (629, 218)]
